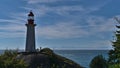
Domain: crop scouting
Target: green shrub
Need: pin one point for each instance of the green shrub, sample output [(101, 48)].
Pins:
[(114, 66), (98, 62), (8, 60), (47, 51)]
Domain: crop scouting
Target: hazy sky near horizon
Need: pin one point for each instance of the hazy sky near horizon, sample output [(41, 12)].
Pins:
[(61, 24)]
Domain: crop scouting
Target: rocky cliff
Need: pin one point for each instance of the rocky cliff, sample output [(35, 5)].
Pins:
[(46, 58)]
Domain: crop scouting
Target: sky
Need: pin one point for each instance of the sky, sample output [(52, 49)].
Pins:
[(61, 24)]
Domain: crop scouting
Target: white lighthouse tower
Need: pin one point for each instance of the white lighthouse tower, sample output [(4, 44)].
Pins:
[(30, 37)]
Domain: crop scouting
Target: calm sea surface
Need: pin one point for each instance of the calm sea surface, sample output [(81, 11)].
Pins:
[(82, 57)]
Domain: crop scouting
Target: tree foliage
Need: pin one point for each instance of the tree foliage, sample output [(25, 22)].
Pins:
[(114, 54), (114, 66), (98, 62), (8, 60)]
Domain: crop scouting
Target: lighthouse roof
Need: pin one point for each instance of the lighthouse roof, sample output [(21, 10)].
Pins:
[(31, 14)]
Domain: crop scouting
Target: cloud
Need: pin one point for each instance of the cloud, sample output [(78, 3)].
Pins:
[(40, 1), (19, 17), (8, 21), (14, 26), (11, 28), (61, 30), (46, 1), (99, 45), (42, 10), (71, 21), (80, 9), (100, 24), (71, 29), (95, 26), (68, 29)]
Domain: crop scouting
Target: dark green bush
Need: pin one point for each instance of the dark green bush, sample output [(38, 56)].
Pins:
[(98, 62)]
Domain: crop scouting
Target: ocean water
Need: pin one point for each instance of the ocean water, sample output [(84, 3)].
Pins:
[(82, 57)]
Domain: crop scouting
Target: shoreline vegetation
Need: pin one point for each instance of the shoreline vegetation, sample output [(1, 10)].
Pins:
[(45, 58)]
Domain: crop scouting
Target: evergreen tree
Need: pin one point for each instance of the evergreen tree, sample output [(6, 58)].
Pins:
[(114, 54), (98, 62)]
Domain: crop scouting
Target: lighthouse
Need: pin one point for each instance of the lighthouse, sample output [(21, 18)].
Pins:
[(30, 36)]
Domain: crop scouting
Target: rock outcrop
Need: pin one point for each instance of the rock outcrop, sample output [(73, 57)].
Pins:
[(46, 58)]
